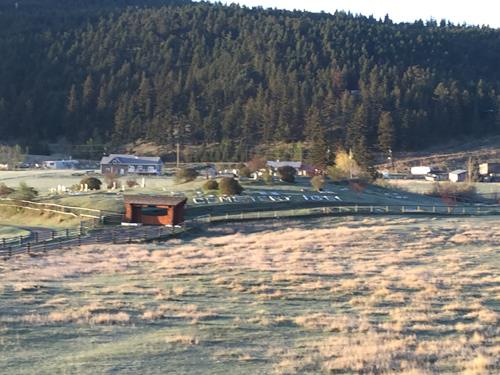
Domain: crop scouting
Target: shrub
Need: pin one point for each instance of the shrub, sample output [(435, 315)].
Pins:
[(186, 175), (92, 183), (318, 182), (245, 172), (5, 190), (452, 192), (211, 185), (131, 183), (287, 173), (24, 192), (230, 186)]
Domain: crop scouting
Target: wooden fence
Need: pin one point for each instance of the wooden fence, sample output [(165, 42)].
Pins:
[(483, 210), (52, 207), (85, 236), (93, 231)]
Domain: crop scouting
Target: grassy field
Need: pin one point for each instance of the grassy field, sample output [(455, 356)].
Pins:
[(44, 180), (381, 296), (370, 194), (9, 232), (423, 187), (11, 216)]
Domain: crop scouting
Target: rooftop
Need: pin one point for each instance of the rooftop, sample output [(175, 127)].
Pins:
[(279, 164), (130, 159), (159, 200)]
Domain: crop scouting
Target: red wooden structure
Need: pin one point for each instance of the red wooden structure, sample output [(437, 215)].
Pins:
[(154, 209)]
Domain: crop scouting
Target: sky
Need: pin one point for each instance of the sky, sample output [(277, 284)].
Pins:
[(476, 12)]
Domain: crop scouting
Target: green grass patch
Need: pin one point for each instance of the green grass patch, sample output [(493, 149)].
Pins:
[(9, 232)]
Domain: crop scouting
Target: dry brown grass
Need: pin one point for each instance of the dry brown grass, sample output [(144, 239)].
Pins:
[(185, 340), (381, 296), (189, 312)]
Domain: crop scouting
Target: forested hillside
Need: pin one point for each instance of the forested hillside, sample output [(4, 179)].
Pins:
[(168, 71)]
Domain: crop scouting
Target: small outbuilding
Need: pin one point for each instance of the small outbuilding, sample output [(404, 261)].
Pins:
[(458, 175), (154, 209)]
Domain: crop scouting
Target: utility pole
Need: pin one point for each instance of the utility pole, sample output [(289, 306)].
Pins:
[(391, 160)]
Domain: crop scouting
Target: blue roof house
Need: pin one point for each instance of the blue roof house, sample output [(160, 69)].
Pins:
[(123, 165)]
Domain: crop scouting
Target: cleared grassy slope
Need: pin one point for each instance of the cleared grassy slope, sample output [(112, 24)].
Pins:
[(376, 295)]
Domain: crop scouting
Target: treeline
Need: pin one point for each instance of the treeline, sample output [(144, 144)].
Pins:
[(199, 74)]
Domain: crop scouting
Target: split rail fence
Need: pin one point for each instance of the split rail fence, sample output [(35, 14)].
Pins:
[(85, 235), (483, 210), (88, 213), (94, 232)]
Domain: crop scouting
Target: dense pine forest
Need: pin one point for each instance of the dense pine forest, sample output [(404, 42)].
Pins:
[(110, 71)]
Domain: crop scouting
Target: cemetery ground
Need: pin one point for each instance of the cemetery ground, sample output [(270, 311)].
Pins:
[(390, 295), (257, 195)]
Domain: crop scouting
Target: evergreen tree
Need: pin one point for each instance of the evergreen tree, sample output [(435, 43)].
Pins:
[(385, 132), (316, 137), (153, 68), (88, 92)]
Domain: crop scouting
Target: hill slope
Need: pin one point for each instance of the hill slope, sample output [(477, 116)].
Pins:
[(199, 73)]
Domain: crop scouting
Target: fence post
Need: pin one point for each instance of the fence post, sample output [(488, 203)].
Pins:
[(79, 240), (67, 232), (10, 251), (387, 209), (356, 208), (434, 209), (36, 237), (53, 234), (371, 209), (403, 209), (28, 247)]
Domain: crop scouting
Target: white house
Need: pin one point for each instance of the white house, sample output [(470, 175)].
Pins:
[(422, 170), (458, 175)]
